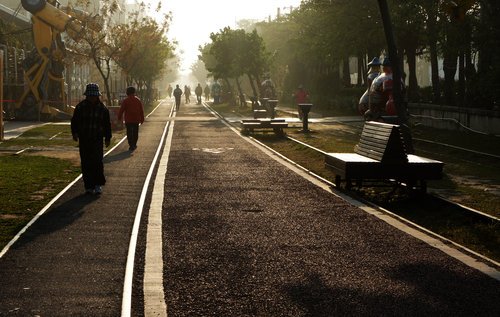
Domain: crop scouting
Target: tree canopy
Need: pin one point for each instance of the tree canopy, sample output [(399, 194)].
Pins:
[(319, 41)]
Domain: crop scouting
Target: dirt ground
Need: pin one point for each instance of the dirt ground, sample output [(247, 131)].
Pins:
[(71, 155)]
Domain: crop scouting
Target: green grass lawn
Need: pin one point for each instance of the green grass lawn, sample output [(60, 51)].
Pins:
[(44, 136), (29, 183)]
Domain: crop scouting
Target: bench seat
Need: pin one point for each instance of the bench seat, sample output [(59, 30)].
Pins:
[(352, 166), (260, 113), (277, 125), (381, 155)]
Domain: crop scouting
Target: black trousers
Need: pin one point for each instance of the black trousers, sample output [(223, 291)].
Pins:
[(132, 133), (177, 102), (91, 154)]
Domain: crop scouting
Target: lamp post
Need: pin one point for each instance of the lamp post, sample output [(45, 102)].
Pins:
[(393, 57), (401, 108), (1, 95)]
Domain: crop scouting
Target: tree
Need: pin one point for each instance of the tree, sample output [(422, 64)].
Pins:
[(409, 19), (487, 43), (199, 71), (94, 42), (234, 53), (139, 47)]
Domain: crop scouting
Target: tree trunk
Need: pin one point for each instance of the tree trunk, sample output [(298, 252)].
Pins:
[(431, 9), (229, 92), (411, 59), (461, 79), (450, 69), (346, 73), (436, 93), (450, 56), (240, 92), (360, 71), (257, 79), (254, 90), (470, 77)]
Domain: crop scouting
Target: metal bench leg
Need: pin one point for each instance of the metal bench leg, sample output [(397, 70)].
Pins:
[(338, 181), (348, 184), (423, 186)]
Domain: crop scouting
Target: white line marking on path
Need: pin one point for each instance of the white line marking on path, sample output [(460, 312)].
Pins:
[(129, 270), (154, 295)]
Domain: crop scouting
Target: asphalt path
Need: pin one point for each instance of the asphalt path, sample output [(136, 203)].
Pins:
[(71, 262), (246, 236), (242, 234)]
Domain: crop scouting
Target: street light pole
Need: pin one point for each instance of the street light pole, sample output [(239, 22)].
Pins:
[(1, 95), (401, 107), (393, 57)]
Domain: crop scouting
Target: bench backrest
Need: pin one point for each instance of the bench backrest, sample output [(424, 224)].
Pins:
[(382, 142)]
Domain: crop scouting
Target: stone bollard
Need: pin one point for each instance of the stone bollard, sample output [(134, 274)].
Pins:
[(305, 108)]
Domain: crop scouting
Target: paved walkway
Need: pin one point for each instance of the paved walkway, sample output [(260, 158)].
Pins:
[(13, 129), (242, 235)]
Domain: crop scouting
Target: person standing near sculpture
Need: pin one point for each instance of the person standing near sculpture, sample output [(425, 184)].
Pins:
[(133, 110), (91, 124)]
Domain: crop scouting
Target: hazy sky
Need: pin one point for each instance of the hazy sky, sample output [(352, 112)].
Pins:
[(194, 20)]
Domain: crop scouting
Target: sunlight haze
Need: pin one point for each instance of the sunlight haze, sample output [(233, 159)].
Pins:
[(193, 21)]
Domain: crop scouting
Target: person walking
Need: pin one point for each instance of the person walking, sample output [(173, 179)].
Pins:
[(216, 92), (187, 94), (177, 96), (91, 124), (207, 92), (198, 92), (169, 91), (133, 109)]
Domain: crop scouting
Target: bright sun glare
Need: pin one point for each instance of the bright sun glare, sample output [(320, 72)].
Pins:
[(193, 21)]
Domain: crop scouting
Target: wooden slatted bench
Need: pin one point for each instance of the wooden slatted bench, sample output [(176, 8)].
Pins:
[(277, 125), (264, 109), (381, 155)]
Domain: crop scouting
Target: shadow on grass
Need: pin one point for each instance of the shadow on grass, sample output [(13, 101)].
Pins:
[(56, 218)]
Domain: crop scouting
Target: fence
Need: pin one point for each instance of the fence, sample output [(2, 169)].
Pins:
[(453, 118)]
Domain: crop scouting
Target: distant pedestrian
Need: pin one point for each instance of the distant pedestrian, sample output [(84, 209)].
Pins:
[(301, 96), (198, 91), (187, 93), (177, 96), (207, 93), (216, 92), (90, 124), (133, 109), (169, 90)]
